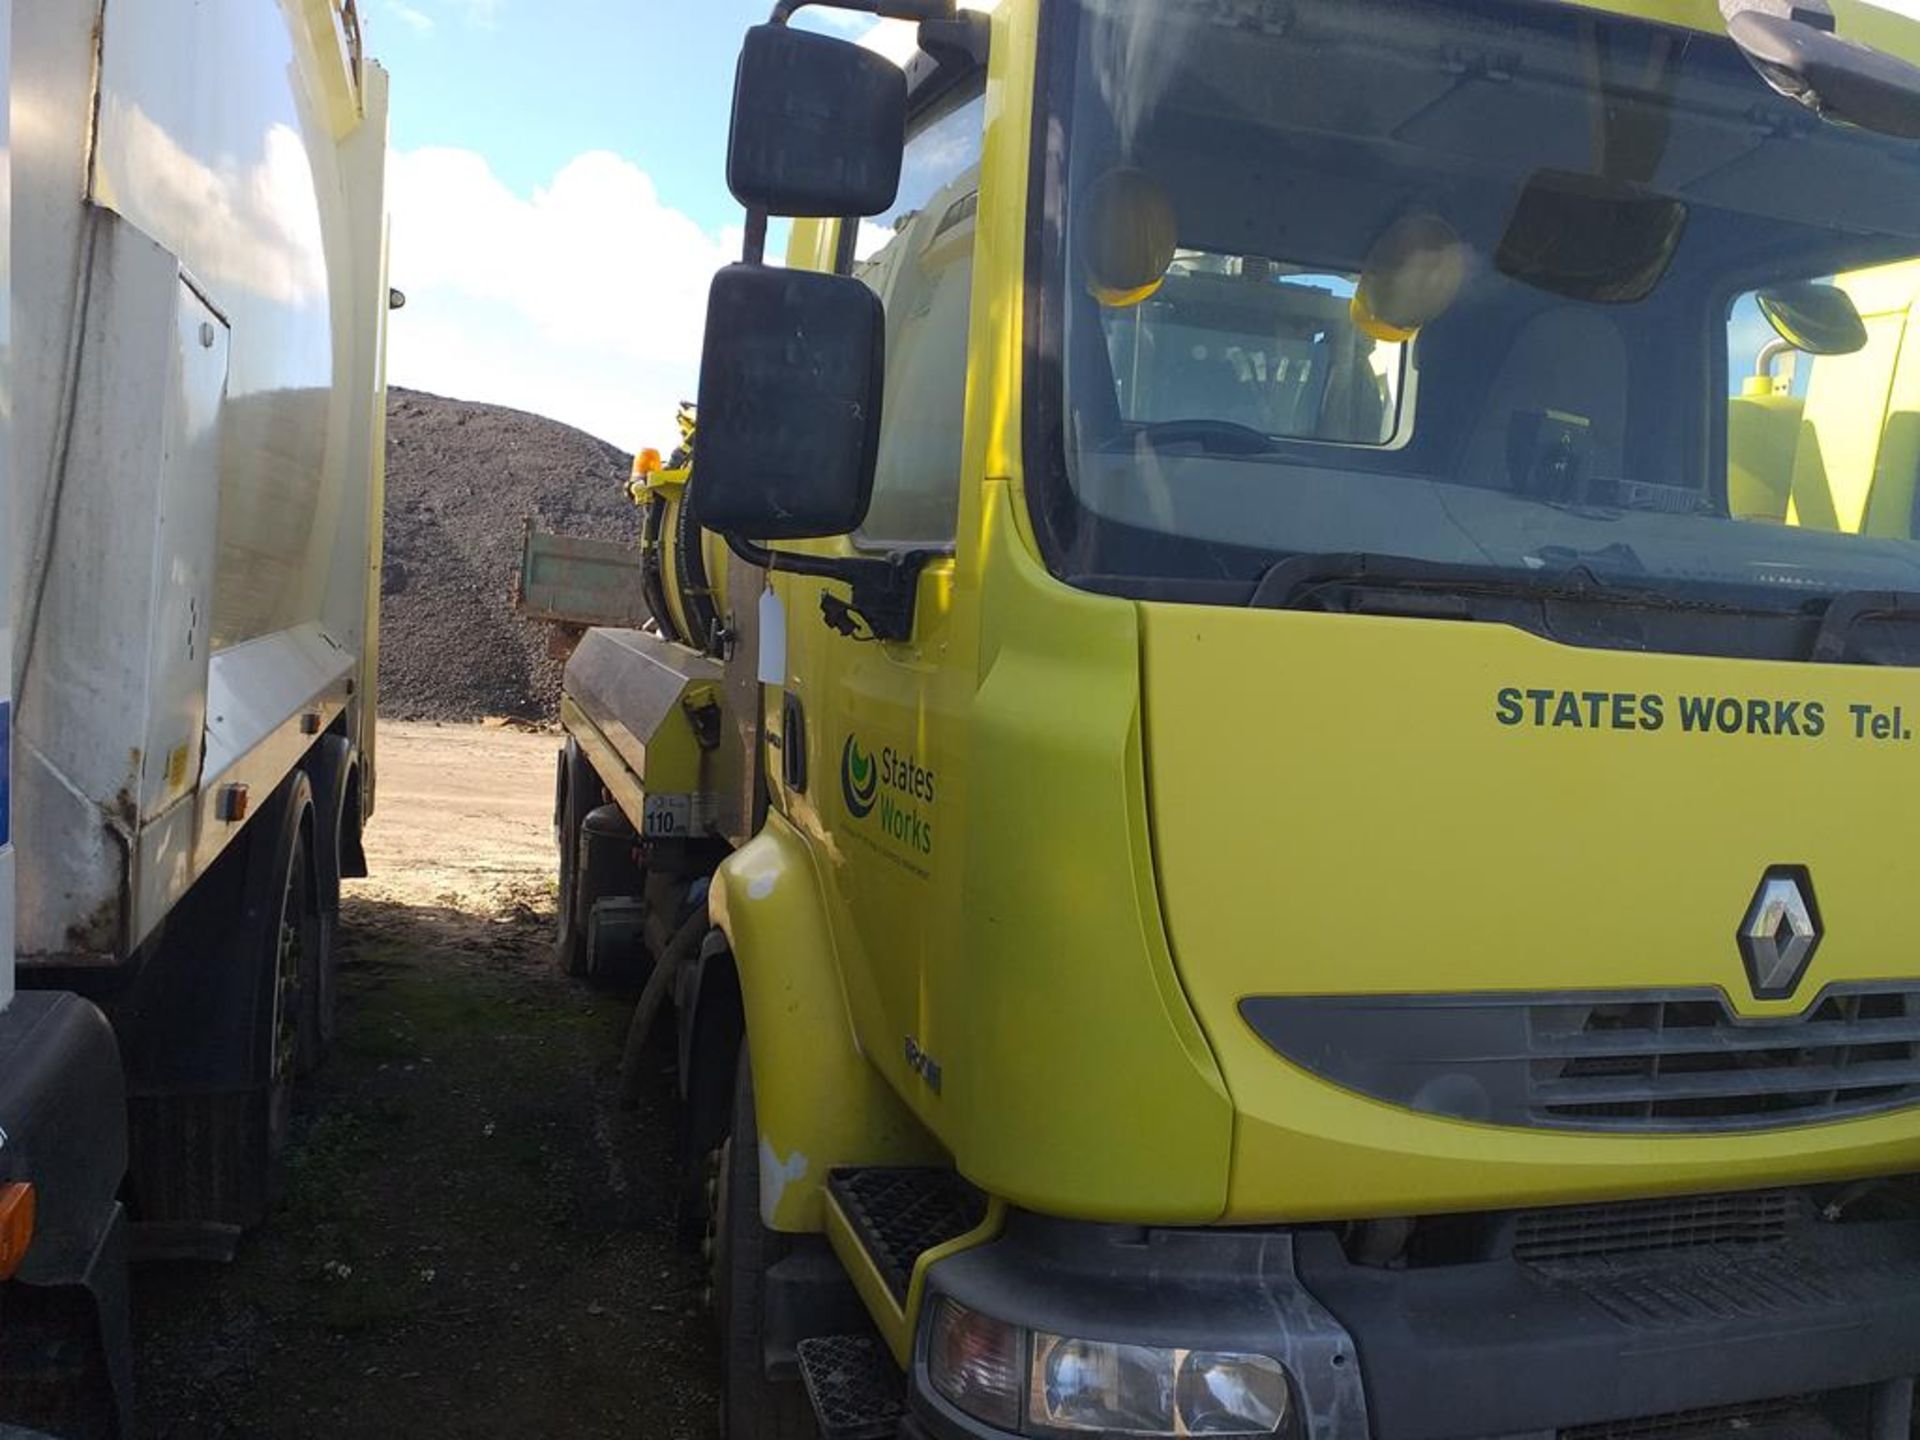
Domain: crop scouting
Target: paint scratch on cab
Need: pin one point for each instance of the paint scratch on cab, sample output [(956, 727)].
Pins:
[(775, 1176)]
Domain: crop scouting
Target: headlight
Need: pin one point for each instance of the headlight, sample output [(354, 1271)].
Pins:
[(1099, 1387), (1226, 1394), (1148, 1390), (1085, 1385)]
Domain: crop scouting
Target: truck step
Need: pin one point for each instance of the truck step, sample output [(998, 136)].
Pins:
[(900, 1213), (856, 1389)]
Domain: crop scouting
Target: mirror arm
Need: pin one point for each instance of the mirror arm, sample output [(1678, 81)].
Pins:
[(1793, 46), (753, 249), (1770, 352), (884, 587)]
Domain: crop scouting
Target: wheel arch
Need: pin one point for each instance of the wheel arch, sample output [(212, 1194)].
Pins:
[(819, 1103)]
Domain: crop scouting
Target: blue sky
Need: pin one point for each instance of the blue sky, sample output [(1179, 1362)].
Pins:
[(557, 187), (532, 83)]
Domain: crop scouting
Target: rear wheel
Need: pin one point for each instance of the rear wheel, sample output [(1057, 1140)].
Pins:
[(312, 954), (578, 790), (752, 1406), (336, 853), (300, 945), (289, 943), (216, 1037)]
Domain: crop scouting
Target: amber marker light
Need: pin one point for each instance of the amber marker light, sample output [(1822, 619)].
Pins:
[(16, 1227)]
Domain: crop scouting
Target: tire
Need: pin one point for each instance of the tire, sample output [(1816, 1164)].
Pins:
[(318, 964), (279, 932), (320, 1023), (333, 769), (300, 944), (752, 1406), (577, 785), (211, 1033)]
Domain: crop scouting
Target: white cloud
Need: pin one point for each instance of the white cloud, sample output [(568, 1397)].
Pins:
[(417, 21), (846, 22), (585, 302), (871, 240), (250, 227), (898, 40)]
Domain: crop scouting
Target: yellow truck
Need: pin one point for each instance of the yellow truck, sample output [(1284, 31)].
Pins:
[(1287, 810)]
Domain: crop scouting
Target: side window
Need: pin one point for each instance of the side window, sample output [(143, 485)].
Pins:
[(919, 260), (1826, 436), (1258, 343)]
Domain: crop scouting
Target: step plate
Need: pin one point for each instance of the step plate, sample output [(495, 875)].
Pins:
[(856, 1389), (900, 1214)]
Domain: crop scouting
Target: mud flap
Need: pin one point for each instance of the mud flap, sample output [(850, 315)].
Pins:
[(197, 1032), (63, 1128)]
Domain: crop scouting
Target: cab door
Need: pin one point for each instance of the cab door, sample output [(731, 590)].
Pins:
[(883, 721)]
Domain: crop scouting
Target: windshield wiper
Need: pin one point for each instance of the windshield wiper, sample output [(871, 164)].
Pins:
[(1446, 586), (1848, 609), (1443, 589)]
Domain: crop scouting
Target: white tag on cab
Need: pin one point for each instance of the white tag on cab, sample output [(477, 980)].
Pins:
[(773, 639)]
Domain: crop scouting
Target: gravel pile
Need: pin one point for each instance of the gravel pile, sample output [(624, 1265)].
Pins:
[(461, 480)]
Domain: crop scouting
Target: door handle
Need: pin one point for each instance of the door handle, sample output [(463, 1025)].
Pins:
[(793, 743)]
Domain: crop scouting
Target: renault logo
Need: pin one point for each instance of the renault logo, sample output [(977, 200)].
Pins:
[(1781, 932)]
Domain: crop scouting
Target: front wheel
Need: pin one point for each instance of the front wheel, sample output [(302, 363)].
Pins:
[(752, 1406)]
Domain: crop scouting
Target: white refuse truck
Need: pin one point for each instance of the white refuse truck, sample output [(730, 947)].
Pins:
[(193, 396)]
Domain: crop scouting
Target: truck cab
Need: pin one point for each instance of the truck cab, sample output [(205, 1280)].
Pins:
[(1328, 743)]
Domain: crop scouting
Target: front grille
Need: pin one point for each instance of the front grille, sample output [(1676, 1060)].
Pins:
[(1663, 1062), (1689, 1064), (1805, 1417), (1723, 1420), (1645, 1227)]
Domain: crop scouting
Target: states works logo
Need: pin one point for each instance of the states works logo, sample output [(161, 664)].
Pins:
[(893, 787), (859, 779)]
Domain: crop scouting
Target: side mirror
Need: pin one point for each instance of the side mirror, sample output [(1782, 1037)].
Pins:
[(1794, 48), (790, 384), (819, 125), (1590, 238), (1813, 318)]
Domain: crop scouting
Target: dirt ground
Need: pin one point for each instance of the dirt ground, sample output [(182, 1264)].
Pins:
[(473, 1239)]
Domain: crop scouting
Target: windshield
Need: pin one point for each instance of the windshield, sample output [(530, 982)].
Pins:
[(1478, 284)]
